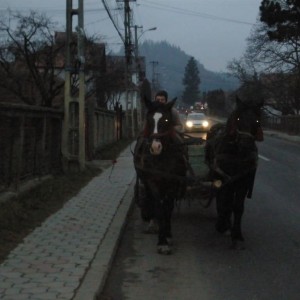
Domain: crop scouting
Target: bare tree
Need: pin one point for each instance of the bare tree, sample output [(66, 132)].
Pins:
[(32, 63), (247, 71), (281, 60), (112, 84), (269, 68), (273, 51), (28, 58), (104, 74)]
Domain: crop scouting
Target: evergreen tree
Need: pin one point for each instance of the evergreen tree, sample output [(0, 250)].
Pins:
[(282, 18), (283, 29), (191, 82)]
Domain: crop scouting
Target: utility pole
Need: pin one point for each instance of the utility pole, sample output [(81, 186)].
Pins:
[(154, 64), (73, 137), (129, 113), (128, 65), (157, 84), (137, 77)]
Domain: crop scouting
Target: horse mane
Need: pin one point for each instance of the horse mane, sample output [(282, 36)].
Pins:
[(241, 106), (231, 125)]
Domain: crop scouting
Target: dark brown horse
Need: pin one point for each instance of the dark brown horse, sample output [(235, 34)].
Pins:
[(232, 155), (160, 165)]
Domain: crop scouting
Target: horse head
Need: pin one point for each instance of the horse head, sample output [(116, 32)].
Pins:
[(245, 119), (159, 125)]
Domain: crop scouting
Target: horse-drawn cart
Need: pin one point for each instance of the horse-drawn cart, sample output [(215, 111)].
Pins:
[(172, 169), (199, 183)]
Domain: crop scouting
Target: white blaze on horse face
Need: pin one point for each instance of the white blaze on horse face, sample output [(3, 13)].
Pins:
[(156, 118), (156, 146)]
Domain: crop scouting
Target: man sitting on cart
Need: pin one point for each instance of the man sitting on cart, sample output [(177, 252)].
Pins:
[(162, 97)]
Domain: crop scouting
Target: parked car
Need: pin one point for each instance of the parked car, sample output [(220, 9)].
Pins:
[(196, 122)]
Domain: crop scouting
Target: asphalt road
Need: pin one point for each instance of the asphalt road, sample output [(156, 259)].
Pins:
[(203, 266)]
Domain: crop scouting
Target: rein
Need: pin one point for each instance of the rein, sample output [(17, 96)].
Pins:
[(186, 179), (160, 135), (163, 174), (143, 155)]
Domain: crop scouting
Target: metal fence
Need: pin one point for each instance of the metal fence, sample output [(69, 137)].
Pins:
[(286, 124), (30, 140)]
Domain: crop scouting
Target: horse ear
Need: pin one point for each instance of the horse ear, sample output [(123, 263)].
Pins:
[(172, 102)]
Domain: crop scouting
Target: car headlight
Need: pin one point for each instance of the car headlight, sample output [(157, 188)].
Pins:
[(205, 124), (189, 124)]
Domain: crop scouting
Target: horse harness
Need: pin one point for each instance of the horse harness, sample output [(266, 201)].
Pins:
[(229, 158)]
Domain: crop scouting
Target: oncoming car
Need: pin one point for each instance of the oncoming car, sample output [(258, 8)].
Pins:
[(196, 122)]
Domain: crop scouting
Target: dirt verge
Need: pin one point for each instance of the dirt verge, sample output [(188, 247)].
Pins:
[(21, 215)]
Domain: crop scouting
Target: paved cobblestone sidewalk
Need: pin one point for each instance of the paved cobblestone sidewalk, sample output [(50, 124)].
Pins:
[(54, 259)]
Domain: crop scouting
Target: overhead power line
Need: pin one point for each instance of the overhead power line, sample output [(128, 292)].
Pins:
[(50, 10), (183, 11), (113, 21)]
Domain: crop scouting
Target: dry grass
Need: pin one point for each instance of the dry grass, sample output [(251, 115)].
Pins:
[(20, 216)]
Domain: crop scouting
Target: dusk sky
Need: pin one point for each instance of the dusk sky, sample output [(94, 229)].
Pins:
[(213, 31)]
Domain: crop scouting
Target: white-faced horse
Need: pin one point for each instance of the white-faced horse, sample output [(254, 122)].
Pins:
[(160, 165)]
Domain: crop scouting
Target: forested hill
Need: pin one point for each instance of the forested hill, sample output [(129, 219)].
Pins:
[(171, 65)]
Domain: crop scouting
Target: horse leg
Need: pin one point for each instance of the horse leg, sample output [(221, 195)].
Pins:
[(169, 207), (152, 226), (164, 221), (161, 216), (137, 190), (224, 199), (238, 210), (147, 204), (147, 209)]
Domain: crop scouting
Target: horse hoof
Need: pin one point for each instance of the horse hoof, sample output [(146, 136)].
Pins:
[(152, 227), (170, 241), (227, 232), (238, 245), (223, 227), (164, 249)]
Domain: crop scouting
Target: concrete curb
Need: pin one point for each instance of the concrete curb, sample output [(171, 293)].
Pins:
[(283, 136), (95, 278)]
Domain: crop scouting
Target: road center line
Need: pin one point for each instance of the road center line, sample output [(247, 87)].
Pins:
[(263, 157)]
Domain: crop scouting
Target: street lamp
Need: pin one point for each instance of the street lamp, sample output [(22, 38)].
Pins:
[(136, 39)]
